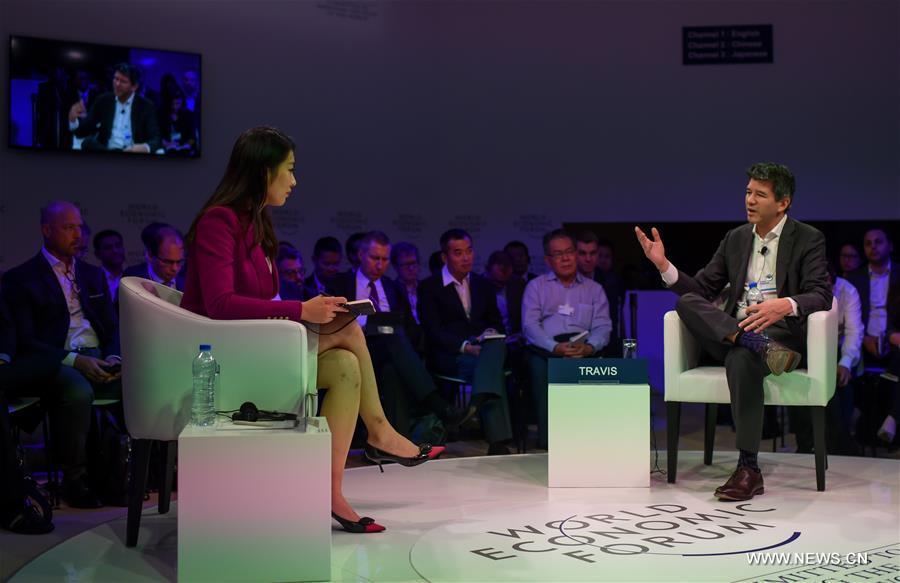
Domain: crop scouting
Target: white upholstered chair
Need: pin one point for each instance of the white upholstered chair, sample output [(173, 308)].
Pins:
[(268, 362), (812, 387)]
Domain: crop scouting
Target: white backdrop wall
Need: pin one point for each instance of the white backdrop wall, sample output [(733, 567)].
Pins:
[(506, 118)]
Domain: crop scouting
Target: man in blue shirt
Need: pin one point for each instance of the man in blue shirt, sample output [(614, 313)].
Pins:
[(558, 307)]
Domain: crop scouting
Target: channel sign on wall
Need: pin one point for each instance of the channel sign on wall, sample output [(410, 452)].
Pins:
[(727, 45)]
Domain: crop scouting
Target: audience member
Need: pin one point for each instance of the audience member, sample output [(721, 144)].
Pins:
[(176, 125), (872, 282), (290, 275), (839, 412), (509, 291), (518, 251), (402, 377), (84, 242), (559, 306), (435, 263), (126, 121), (109, 249), (190, 84), (163, 256), (889, 382), (458, 310), (595, 261), (351, 247), (61, 307), (326, 259), (849, 259), (17, 376), (405, 260)]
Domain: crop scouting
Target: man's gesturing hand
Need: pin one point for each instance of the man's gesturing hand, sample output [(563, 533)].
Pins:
[(654, 249)]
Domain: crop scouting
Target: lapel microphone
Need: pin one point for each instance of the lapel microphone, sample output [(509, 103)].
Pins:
[(763, 251)]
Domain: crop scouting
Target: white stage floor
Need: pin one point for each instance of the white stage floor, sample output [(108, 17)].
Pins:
[(493, 519)]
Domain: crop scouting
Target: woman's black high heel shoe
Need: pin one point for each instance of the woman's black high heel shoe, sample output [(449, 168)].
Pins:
[(426, 452), (363, 526)]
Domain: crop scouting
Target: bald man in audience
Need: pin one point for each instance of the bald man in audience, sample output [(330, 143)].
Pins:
[(61, 307)]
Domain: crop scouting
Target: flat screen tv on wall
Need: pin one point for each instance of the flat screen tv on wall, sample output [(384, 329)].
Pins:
[(87, 97)]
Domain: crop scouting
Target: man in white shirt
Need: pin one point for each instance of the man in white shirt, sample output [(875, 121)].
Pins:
[(785, 261), (121, 120), (839, 412), (62, 307)]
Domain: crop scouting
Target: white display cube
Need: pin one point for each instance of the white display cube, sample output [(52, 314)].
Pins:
[(254, 504), (598, 424)]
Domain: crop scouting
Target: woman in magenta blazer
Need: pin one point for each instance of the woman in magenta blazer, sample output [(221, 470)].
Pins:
[(232, 276)]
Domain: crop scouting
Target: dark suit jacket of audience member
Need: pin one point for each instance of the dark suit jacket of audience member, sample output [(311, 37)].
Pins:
[(40, 311), (344, 284), (25, 373), (144, 127), (295, 291), (515, 291), (143, 270), (860, 280), (444, 319)]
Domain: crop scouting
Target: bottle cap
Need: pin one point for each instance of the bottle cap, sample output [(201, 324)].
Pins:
[(751, 285), (205, 347)]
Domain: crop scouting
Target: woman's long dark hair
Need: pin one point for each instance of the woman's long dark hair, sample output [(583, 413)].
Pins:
[(256, 155)]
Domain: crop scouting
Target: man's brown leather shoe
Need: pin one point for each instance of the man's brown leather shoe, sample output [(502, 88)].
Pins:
[(744, 484), (778, 357)]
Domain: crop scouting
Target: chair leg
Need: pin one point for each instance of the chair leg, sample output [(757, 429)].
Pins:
[(167, 461), (673, 427), (818, 419), (709, 432), (140, 461)]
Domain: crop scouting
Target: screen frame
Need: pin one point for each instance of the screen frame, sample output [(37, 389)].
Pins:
[(101, 153)]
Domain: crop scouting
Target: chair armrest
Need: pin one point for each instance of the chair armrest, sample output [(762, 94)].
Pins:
[(822, 351), (681, 352)]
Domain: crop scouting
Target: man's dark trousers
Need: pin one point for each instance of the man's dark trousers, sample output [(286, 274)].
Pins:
[(744, 369)]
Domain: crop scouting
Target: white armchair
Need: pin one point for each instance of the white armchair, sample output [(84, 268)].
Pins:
[(812, 387), (268, 362)]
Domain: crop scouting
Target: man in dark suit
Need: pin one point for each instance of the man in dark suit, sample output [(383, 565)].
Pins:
[(777, 270), (290, 274), (403, 380), (457, 309), (163, 256), (326, 260), (873, 282), (61, 307), (120, 120)]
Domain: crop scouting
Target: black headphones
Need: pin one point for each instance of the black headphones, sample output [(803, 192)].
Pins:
[(249, 412)]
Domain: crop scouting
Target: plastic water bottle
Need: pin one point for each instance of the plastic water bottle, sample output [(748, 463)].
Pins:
[(205, 370), (754, 295)]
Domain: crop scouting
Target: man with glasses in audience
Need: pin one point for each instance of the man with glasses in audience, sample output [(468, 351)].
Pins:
[(163, 256), (564, 315), (290, 274), (326, 260), (61, 307), (405, 259)]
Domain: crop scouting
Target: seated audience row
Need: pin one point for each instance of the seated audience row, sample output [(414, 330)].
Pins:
[(454, 323)]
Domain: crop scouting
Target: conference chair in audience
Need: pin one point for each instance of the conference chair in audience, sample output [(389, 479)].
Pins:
[(812, 387), (268, 362)]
